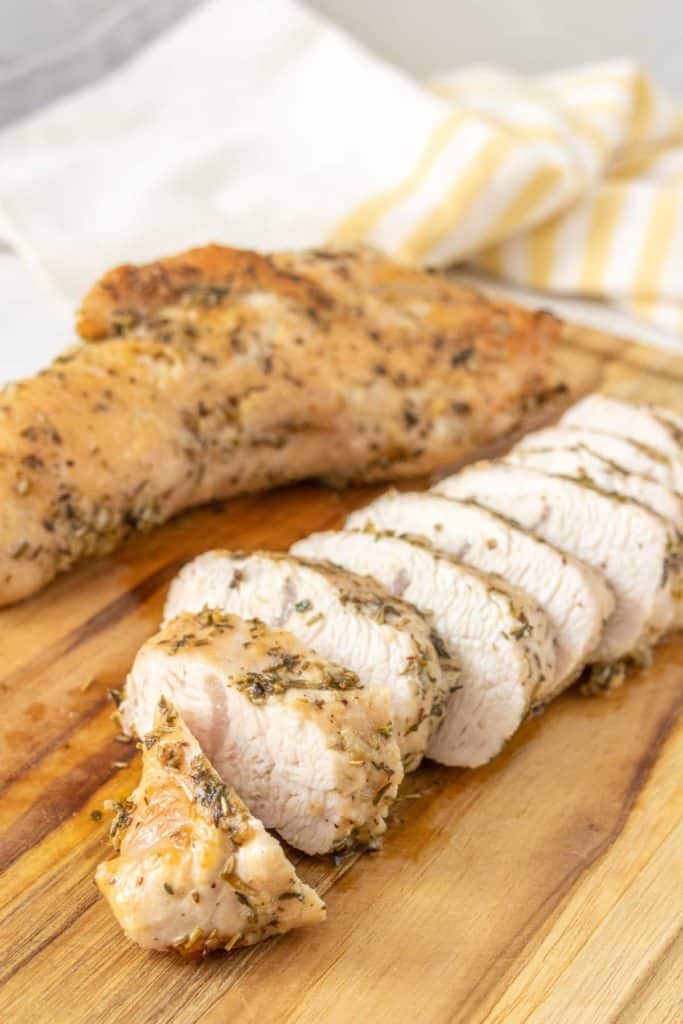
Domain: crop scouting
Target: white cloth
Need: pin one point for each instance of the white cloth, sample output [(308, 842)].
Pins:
[(260, 124), (255, 124)]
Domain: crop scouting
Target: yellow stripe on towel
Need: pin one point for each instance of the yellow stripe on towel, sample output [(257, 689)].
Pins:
[(542, 244), (570, 182), (473, 180), (523, 207), (361, 221), (601, 229), (643, 108), (658, 238)]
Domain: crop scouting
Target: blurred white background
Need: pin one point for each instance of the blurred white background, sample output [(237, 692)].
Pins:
[(425, 36), (51, 46)]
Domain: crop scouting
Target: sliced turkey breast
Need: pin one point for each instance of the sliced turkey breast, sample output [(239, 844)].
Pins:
[(648, 425), (636, 550), (304, 743), (583, 464), (195, 871), (627, 454), (499, 637), (574, 596), (348, 618)]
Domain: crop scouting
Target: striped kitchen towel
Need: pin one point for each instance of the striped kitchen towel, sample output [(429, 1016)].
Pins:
[(583, 177), (263, 125)]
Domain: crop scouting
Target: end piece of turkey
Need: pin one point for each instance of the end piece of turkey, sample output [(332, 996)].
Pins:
[(194, 870)]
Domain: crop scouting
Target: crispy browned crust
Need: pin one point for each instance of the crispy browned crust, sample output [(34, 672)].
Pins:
[(219, 372), (218, 273), (317, 279)]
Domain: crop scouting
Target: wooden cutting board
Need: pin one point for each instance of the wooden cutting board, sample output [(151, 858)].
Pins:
[(546, 887)]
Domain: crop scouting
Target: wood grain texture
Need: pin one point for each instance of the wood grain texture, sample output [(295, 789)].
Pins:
[(545, 888)]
